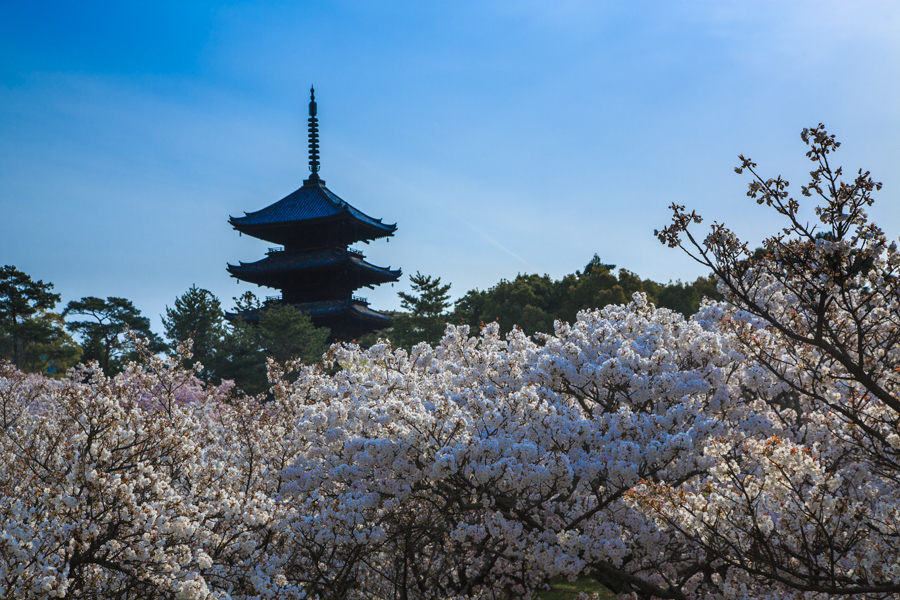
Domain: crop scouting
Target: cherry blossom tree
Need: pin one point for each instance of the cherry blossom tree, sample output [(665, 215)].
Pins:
[(814, 508), (107, 490), (484, 466)]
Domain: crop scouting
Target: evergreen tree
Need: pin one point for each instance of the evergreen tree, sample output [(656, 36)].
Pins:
[(597, 287), (48, 346), (285, 333), (469, 310), (281, 332), (246, 301), (426, 318), (32, 337), (529, 301), (197, 315), (241, 359), (104, 335)]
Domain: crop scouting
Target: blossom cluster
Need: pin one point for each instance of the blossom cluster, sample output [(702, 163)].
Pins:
[(658, 455)]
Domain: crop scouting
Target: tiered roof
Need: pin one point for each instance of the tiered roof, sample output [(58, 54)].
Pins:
[(316, 271), (314, 210), (271, 270), (329, 312)]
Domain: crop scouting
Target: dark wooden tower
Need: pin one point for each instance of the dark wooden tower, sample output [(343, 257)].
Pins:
[(315, 268)]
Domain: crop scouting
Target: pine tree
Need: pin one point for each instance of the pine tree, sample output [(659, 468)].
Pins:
[(426, 318), (104, 335), (282, 332), (32, 337), (197, 315)]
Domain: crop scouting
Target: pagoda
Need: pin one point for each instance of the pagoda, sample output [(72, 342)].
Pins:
[(314, 268)]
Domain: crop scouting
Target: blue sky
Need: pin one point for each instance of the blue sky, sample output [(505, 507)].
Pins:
[(502, 137)]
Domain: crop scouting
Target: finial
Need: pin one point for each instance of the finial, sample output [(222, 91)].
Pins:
[(313, 137)]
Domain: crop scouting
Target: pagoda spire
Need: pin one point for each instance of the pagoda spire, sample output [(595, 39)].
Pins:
[(313, 139)]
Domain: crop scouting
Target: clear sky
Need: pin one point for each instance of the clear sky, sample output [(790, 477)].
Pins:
[(502, 137)]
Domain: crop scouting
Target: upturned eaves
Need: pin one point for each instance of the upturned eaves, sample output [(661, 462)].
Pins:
[(311, 202)]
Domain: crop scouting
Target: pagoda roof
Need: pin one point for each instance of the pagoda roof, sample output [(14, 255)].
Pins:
[(337, 307), (326, 309), (312, 202), (280, 262)]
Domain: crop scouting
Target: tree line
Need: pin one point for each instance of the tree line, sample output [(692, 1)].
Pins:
[(35, 338), (532, 302)]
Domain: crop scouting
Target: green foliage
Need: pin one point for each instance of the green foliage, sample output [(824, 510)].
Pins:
[(48, 348), (282, 332), (533, 302), (563, 589), (104, 335), (241, 359), (427, 316), (238, 350), (597, 287), (22, 297), (529, 301), (32, 337), (469, 309), (432, 299), (246, 301), (286, 333), (684, 297), (197, 315)]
